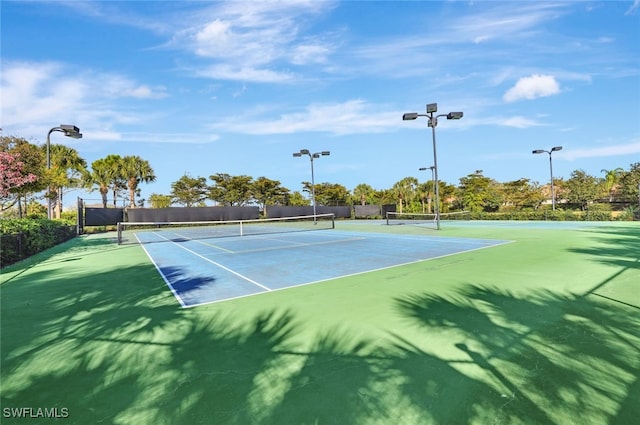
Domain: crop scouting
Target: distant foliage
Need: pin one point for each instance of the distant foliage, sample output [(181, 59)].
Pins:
[(549, 215)]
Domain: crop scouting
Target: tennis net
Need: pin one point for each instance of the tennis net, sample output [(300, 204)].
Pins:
[(425, 220), (146, 232)]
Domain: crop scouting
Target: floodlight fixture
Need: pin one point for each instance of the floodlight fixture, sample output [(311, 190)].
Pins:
[(69, 131), (553, 149), (433, 123), (312, 156)]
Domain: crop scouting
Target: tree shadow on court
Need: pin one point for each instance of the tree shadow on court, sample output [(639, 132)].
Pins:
[(214, 372), (546, 358), (114, 347), (189, 286), (334, 382), (73, 337), (619, 247), (256, 372), (616, 245), (73, 249)]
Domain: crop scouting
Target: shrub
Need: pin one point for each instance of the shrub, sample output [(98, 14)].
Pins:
[(24, 237)]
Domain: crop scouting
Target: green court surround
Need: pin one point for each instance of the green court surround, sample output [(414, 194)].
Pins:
[(544, 330)]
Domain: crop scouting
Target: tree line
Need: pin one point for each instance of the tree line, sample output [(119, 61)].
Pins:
[(25, 179)]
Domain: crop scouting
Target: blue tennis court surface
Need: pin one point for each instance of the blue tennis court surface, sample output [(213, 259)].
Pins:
[(205, 271)]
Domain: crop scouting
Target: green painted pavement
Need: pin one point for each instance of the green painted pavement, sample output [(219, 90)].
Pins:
[(544, 330)]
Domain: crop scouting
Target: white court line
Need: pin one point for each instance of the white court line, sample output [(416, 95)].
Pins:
[(293, 244), (203, 243), (256, 236), (407, 263), (166, 280), (354, 274), (219, 265), (228, 251)]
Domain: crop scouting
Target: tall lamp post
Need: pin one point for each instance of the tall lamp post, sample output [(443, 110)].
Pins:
[(432, 168), (312, 156), (432, 121), (69, 131), (554, 149)]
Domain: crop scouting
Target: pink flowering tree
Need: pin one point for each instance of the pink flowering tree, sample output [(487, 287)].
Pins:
[(12, 174)]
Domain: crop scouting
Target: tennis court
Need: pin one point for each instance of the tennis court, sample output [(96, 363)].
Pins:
[(542, 330), (202, 269)]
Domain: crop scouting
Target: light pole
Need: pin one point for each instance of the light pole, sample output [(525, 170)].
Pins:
[(69, 131), (433, 123), (432, 168), (553, 194), (312, 156)]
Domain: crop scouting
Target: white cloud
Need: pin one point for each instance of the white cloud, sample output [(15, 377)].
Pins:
[(37, 95), (244, 73), (117, 86), (480, 39), (33, 92), (145, 92), (350, 117), (309, 53), (505, 20), (248, 41), (167, 137), (518, 122), (603, 151), (532, 87)]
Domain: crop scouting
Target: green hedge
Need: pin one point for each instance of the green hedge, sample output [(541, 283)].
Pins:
[(557, 215), (21, 238)]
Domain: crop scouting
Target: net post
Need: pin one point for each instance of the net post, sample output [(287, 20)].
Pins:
[(386, 215), (333, 221), (79, 216), (241, 229), (119, 227)]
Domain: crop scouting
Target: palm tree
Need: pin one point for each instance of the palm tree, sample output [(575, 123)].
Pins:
[(611, 179), (102, 175), (67, 170), (134, 171), (425, 191), (113, 164), (405, 190), (363, 192), (160, 201)]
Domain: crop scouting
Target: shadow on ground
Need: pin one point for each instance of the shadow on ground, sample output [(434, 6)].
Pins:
[(119, 351)]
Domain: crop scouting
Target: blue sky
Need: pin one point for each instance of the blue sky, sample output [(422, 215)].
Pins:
[(236, 87)]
